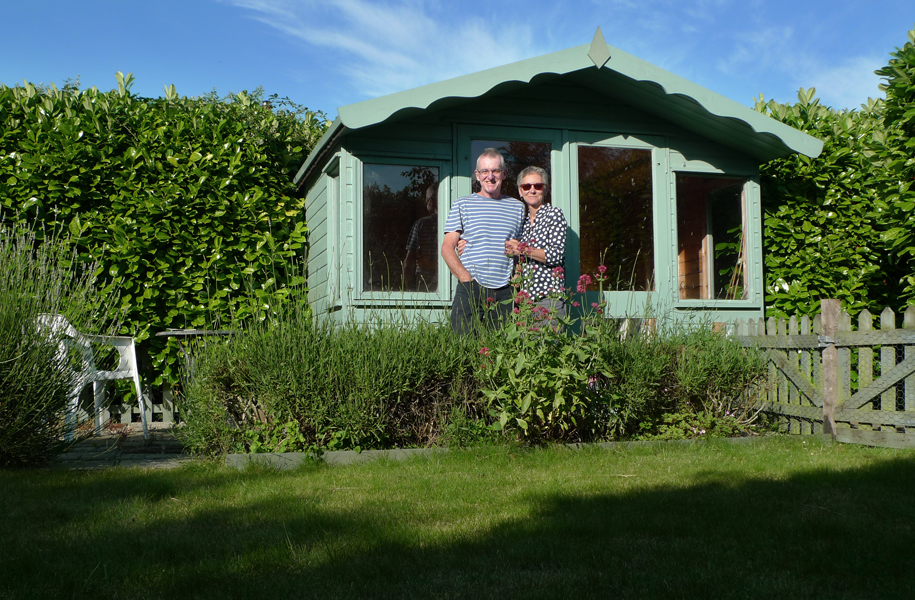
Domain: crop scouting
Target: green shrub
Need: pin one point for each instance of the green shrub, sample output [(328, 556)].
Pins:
[(287, 383), (39, 277), (345, 386), (841, 225), (186, 204), (587, 378)]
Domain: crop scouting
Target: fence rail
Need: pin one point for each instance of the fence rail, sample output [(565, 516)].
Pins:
[(826, 376)]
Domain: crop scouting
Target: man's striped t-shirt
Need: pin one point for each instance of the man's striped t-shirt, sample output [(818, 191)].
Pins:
[(486, 224)]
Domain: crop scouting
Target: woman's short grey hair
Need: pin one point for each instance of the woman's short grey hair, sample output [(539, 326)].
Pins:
[(531, 170)]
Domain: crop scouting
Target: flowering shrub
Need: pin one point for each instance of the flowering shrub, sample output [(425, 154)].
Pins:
[(540, 378), (547, 377)]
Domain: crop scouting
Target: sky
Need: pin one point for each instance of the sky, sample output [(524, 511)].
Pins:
[(330, 53)]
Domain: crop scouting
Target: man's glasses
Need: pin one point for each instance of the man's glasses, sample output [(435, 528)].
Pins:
[(527, 186), (486, 172)]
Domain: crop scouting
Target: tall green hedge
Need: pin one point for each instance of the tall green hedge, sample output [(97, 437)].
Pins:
[(841, 225), (186, 203)]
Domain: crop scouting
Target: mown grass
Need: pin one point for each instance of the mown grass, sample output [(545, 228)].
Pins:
[(778, 517)]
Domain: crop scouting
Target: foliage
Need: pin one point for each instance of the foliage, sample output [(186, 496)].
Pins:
[(558, 378), (536, 378), (36, 278), (185, 204), (346, 386), (681, 426), (840, 225), (896, 155), (290, 384)]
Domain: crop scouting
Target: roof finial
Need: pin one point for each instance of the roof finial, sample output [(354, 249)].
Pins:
[(598, 52)]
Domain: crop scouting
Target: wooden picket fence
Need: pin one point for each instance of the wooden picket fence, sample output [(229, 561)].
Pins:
[(159, 409), (856, 384)]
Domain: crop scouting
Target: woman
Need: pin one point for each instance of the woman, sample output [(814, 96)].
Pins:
[(542, 245), (541, 249)]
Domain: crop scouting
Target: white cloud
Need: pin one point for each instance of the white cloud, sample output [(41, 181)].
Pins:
[(386, 47), (780, 54), (847, 85)]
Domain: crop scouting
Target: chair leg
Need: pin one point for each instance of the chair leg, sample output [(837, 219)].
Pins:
[(70, 415), (99, 388), (141, 400)]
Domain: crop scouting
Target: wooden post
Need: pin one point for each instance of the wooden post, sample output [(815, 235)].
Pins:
[(829, 310), (908, 322)]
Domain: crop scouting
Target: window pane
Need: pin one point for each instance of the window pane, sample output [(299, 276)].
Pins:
[(400, 228), (710, 237), (616, 222), (518, 156)]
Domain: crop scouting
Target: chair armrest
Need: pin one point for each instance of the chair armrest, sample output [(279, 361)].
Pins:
[(109, 339)]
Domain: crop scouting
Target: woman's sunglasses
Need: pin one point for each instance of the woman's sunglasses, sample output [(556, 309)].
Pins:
[(528, 186)]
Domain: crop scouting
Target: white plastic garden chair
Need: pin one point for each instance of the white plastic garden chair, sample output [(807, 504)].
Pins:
[(58, 329)]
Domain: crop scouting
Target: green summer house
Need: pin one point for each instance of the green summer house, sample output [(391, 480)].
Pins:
[(657, 176)]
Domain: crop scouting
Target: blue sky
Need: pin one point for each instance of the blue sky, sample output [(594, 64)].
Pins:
[(329, 53)]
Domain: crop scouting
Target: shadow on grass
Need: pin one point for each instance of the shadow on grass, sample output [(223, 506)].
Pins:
[(818, 534)]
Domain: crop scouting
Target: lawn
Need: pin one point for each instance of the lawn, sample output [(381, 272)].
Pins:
[(779, 517)]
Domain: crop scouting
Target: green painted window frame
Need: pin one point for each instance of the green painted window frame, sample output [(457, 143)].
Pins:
[(754, 266), (360, 297), (627, 304)]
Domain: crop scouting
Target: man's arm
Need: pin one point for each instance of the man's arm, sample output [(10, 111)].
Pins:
[(449, 253)]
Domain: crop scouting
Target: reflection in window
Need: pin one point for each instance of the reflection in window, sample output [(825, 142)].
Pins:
[(518, 156), (710, 238), (615, 215), (400, 241)]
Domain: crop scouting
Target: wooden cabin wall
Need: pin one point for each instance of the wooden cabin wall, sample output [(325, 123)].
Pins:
[(319, 250)]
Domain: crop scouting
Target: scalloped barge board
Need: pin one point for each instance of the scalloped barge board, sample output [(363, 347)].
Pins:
[(287, 461)]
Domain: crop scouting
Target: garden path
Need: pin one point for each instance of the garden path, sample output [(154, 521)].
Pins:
[(124, 446)]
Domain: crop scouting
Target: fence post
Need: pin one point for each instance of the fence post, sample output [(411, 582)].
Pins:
[(829, 311)]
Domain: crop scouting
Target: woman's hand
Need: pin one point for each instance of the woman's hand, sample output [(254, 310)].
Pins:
[(512, 247)]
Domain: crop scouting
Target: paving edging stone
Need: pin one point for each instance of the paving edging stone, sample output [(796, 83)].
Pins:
[(287, 461)]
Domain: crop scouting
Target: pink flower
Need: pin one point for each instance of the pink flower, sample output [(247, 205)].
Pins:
[(595, 305), (576, 304), (541, 312), (517, 311), (490, 300), (558, 272), (601, 269), (583, 283), (484, 351)]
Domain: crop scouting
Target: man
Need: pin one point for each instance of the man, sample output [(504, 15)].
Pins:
[(486, 220), (420, 267)]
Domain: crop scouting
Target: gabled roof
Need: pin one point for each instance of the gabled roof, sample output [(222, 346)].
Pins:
[(608, 70)]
